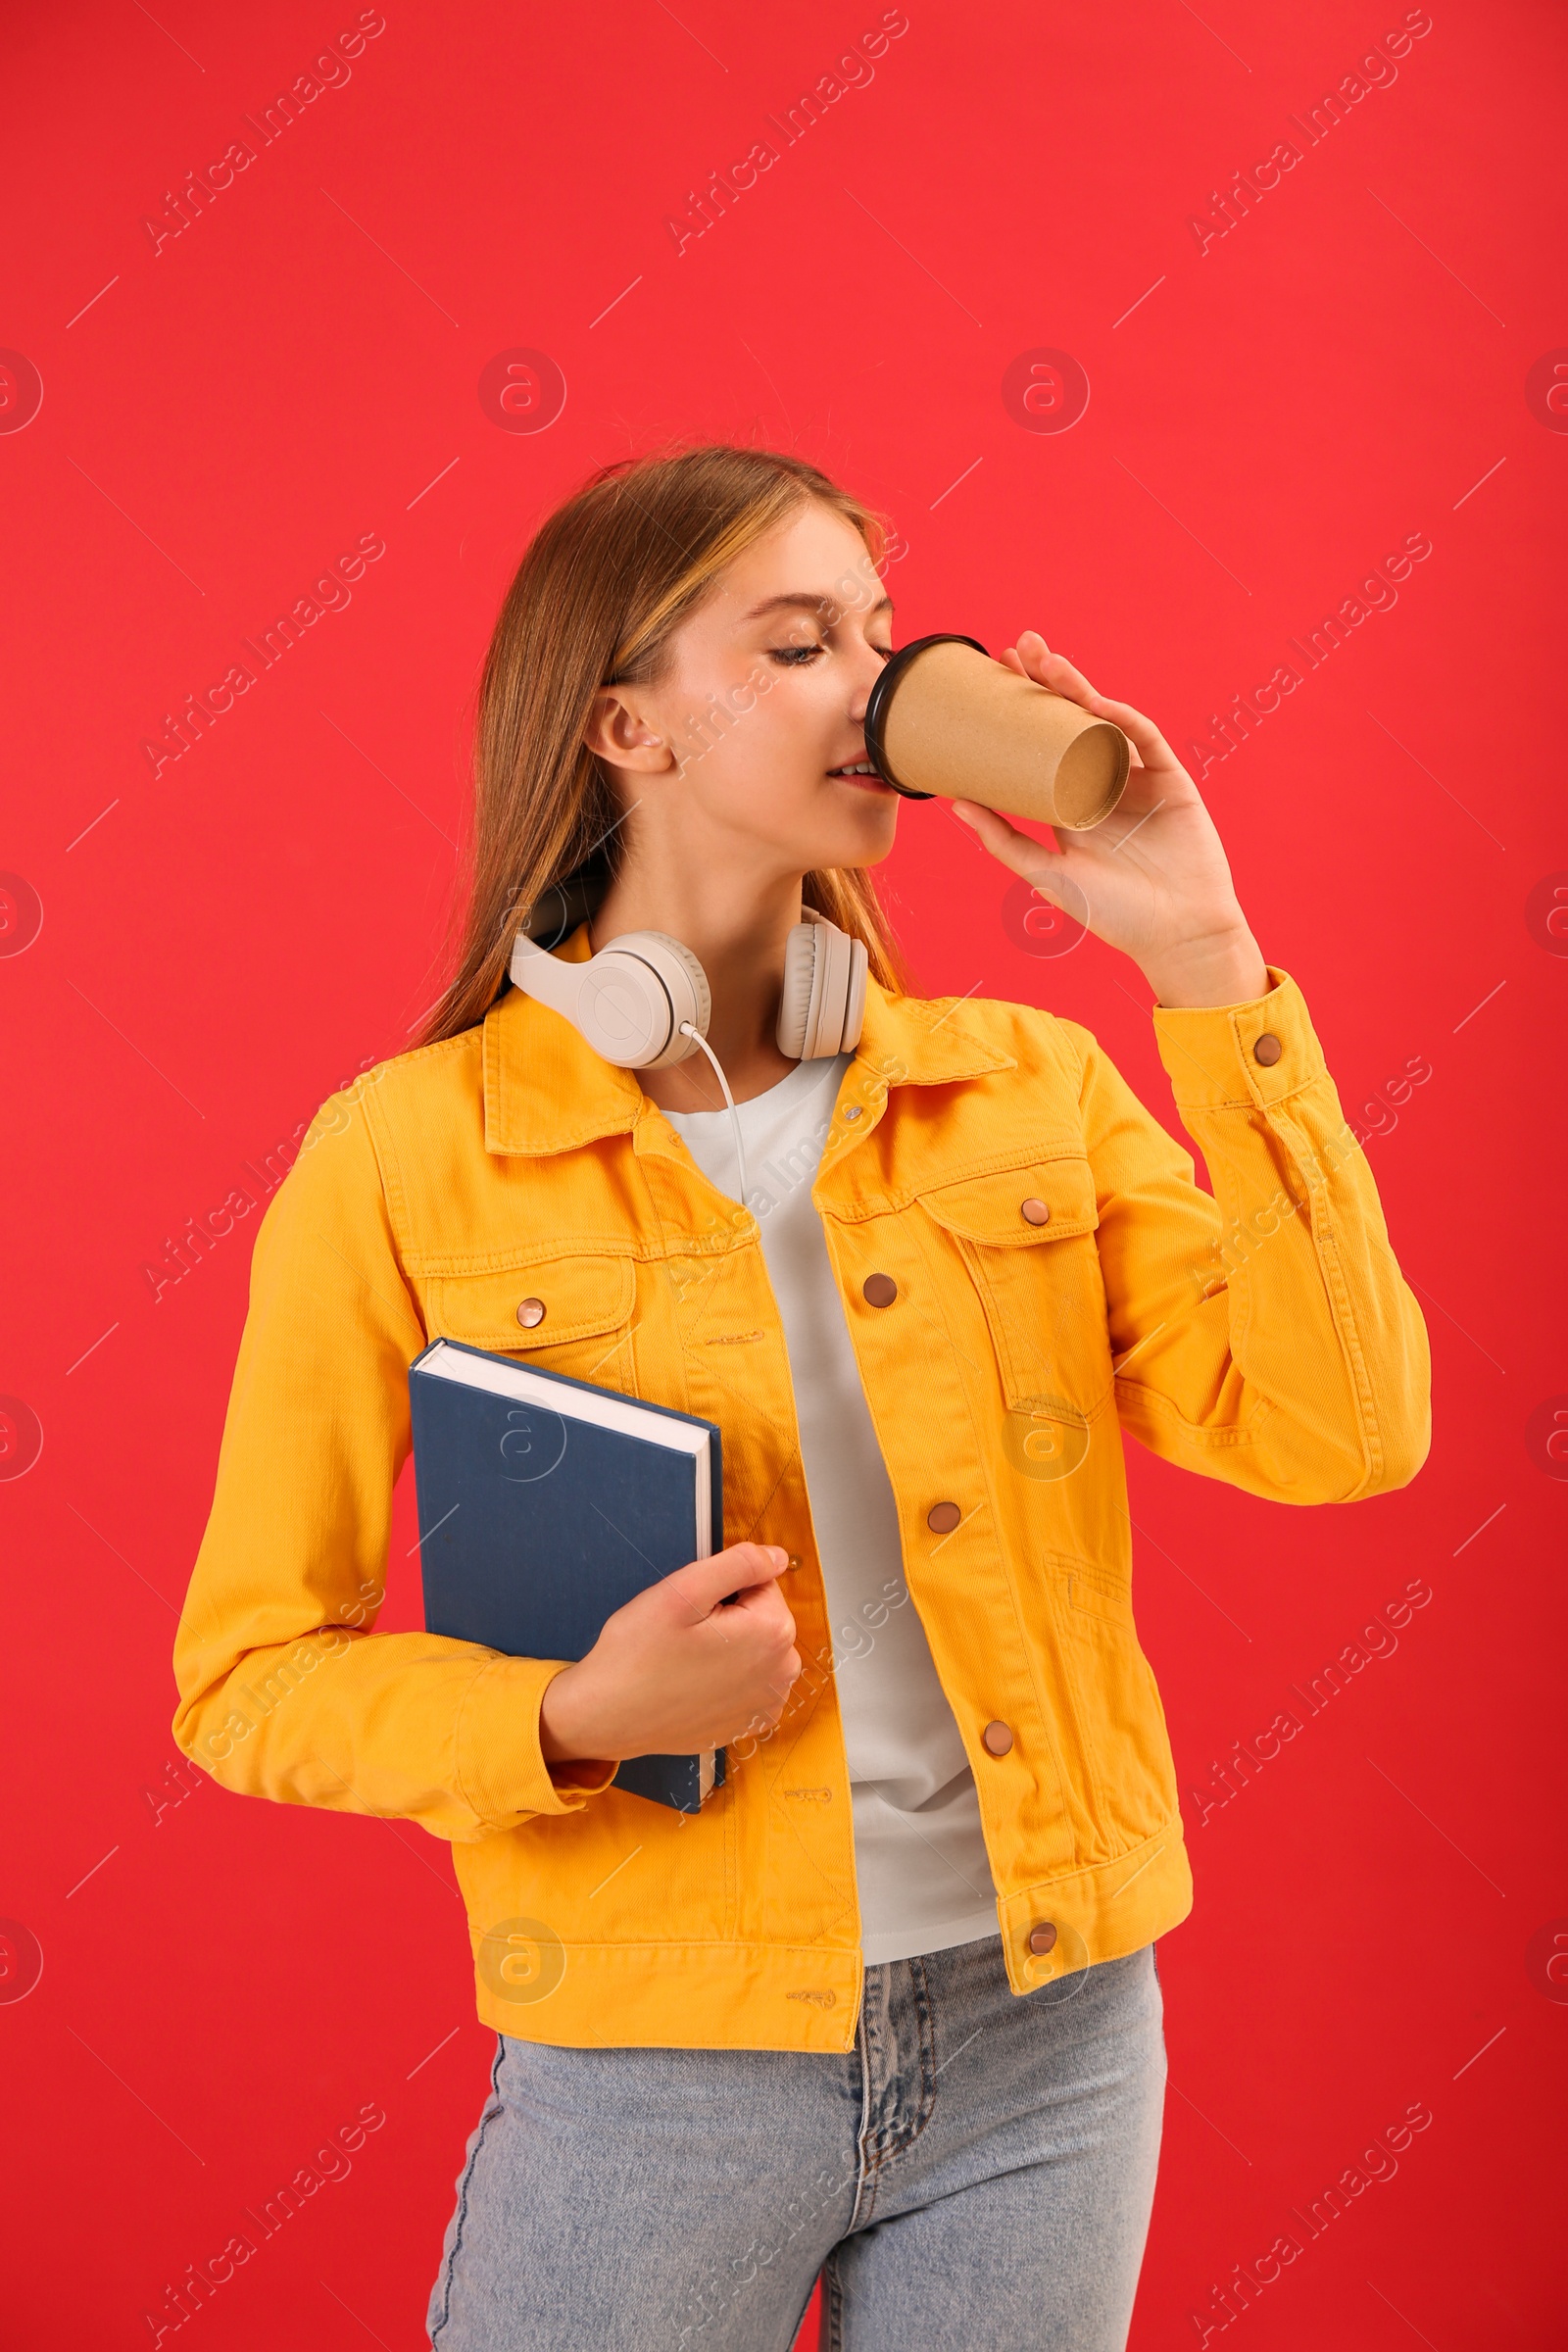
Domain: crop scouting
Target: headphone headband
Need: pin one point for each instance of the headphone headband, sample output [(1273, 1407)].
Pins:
[(576, 899)]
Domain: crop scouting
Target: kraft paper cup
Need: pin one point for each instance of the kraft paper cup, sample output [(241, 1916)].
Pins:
[(945, 718)]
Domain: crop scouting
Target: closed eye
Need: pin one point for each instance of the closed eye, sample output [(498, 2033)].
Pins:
[(801, 657)]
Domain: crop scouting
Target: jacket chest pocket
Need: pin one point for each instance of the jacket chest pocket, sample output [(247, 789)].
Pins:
[(566, 1315), (1026, 1239)]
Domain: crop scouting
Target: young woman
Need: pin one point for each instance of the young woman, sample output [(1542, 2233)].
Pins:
[(885, 2008)]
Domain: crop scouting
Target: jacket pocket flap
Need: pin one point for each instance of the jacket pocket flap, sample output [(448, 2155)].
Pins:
[(536, 1305), (1101, 1595), (1005, 1211)]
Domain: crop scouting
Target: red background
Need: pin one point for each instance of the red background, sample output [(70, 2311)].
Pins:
[(223, 945)]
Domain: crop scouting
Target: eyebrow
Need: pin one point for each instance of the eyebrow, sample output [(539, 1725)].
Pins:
[(817, 605)]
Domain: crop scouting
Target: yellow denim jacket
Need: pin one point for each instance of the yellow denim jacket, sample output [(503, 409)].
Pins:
[(1263, 1336)]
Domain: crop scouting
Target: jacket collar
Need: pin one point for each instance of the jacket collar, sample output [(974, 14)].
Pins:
[(546, 1089)]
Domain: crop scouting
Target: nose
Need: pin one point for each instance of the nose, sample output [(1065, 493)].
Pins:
[(868, 668)]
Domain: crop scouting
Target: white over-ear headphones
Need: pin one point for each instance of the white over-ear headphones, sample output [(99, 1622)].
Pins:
[(643, 1000)]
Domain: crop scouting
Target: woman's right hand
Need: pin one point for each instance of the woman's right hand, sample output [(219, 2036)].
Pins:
[(677, 1671)]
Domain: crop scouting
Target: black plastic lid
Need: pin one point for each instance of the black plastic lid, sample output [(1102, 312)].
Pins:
[(876, 709)]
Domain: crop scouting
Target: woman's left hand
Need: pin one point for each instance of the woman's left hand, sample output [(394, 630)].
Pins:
[(1152, 878)]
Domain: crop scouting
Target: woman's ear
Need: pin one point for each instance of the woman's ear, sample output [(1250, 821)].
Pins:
[(623, 736)]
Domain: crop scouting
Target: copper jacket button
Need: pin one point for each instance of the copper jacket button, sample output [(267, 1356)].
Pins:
[(530, 1312), (879, 1290), (1042, 1939), (1034, 1211), (943, 1517), (997, 1740), (1267, 1050)]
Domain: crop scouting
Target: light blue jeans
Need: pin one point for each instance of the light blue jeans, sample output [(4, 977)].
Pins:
[(977, 2171)]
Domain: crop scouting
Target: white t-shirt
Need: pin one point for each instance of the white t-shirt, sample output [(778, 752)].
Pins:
[(919, 1854)]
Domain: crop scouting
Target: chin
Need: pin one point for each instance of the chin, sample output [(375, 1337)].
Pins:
[(836, 828), (881, 833), (865, 840), (848, 856)]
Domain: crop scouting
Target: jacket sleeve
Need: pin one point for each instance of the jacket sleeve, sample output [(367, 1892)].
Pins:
[(285, 1690), (1265, 1334)]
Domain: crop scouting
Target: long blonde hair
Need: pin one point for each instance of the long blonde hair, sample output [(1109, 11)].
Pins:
[(603, 587)]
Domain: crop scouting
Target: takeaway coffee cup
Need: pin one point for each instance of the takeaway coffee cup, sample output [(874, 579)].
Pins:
[(944, 717)]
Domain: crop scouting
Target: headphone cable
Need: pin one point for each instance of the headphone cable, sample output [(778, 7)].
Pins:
[(689, 1029)]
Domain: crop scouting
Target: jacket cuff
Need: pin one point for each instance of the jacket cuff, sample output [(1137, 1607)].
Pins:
[(1231, 1057), (502, 1769)]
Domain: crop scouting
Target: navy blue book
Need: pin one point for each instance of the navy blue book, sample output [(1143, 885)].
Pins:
[(546, 1505)]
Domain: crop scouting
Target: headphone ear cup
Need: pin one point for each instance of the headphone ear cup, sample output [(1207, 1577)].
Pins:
[(855, 1010), (829, 993), (633, 996), (822, 1008), (694, 1005), (674, 983), (629, 1002), (622, 1009), (795, 1005)]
